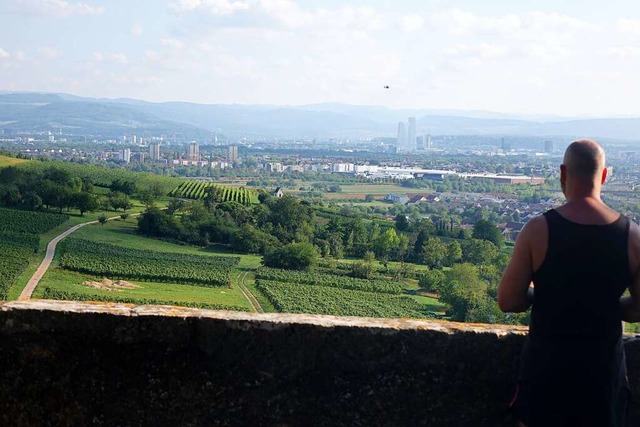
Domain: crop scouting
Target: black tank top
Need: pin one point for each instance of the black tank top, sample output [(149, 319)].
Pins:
[(580, 282)]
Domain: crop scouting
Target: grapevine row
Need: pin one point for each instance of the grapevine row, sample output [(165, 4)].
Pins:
[(29, 222), (119, 262), (56, 294), (199, 190), (329, 280), (293, 298)]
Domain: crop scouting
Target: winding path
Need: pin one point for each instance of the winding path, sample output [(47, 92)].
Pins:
[(46, 262), (247, 294)]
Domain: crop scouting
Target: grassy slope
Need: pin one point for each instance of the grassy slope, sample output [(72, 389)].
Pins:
[(10, 161)]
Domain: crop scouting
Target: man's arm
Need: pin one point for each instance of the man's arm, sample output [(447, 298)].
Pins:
[(631, 305), (514, 293)]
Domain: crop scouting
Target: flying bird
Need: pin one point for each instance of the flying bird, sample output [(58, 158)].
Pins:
[(386, 87)]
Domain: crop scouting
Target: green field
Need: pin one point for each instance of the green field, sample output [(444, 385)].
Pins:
[(10, 161), (70, 281), (122, 233)]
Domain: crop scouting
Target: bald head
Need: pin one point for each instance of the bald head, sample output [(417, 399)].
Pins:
[(584, 159)]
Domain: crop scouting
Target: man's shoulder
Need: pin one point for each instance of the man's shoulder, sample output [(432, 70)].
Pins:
[(536, 224)]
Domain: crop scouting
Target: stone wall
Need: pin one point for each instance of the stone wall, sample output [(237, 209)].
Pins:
[(67, 363)]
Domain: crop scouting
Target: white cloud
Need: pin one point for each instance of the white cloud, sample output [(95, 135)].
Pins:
[(172, 43), (214, 7), (58, 8), (114, 57), (459, 22), (136, 30), (49, 53), (482, 51), (411, 22), (536, 24), (3, 54), (622, 52), (628, 26)]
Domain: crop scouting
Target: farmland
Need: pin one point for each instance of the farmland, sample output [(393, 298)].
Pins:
[(29, 222), (200, 190), (112, 261), (294, 298), (19, 242)]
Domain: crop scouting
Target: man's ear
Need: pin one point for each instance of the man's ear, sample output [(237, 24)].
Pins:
[(605, 171), (563, 174)]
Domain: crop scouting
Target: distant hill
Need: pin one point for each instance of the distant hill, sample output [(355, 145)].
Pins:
[(115, 117)]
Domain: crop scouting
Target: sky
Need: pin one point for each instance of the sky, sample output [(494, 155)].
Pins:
[(568, 58)]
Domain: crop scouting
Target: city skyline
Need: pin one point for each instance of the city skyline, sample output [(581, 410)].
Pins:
[(527, 58)]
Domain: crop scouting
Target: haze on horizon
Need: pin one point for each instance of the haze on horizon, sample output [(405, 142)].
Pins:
[(526, 57)]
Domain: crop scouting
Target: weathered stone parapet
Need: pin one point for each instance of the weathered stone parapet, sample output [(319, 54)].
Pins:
[(76, 363)]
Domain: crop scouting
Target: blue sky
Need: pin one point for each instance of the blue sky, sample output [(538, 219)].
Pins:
[(538, 57)]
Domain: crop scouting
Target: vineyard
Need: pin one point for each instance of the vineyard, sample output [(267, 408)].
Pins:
[(297, 298), (219, 193), (328, 280), (29, 222), (55, 294), (19, 240), (116, 262)]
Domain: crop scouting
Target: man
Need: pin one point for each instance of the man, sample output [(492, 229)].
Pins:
[(580, 257)]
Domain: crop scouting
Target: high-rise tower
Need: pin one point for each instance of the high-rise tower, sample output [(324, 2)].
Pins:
[(411, 135), (154, 151), (402, 136), (194, 151)]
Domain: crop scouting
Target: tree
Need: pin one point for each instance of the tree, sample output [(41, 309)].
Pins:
[(363, 269), (433, 252), (123, 186), (486, 230), (102, 219), (119, 201), (385, 243), (462, 290), (479, 252), (248, 239), (294, 256), (432, 280), (369, 198), (453, 253), (85, 202), (175, 205), (402, 223)]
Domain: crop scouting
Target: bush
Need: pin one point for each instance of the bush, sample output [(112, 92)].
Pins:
[(294, 256)]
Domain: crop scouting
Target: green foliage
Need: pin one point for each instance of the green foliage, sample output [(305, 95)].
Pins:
[(432, 280), (249, 239), (487, 230), (55, 294), (433, 252), (329, 280), (296, 298), (111, 261), (14, 259), (462, 290), (453, 253), (294, 256), (29, 222), (479, 252)]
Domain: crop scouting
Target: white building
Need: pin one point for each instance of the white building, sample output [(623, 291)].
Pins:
[(125, 155), (411, 135), (154, 151), (194, 151)]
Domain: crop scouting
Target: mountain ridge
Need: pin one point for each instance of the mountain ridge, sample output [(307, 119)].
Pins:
[(38, 111)]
